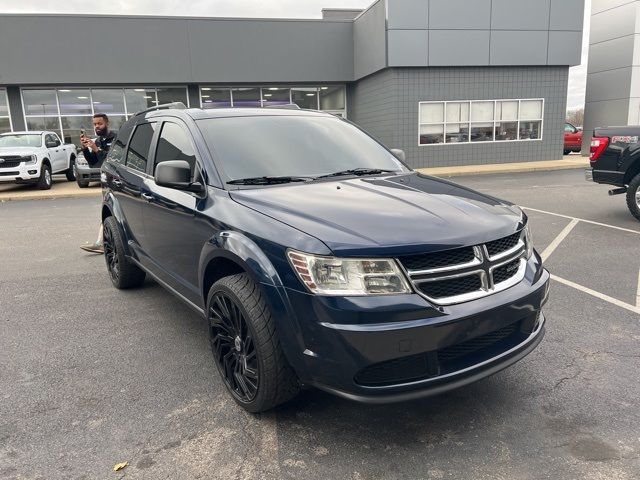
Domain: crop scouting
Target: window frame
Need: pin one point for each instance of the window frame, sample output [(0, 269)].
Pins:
[(127, 115), (199, 165), (265, 88), (6, 94), (151, 151), (470, 122)]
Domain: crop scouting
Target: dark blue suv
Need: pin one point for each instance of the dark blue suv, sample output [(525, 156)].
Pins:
[(317, 257)]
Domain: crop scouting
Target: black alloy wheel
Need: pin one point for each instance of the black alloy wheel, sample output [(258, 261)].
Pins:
[(111, 254), (233, 347)]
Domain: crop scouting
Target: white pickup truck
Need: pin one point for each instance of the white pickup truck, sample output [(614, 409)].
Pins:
[(32, 157)]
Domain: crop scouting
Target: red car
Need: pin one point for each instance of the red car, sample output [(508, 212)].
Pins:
[(572, 139)]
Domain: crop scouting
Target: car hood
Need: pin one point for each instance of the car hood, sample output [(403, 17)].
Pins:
[(17, 150), (400, 214)]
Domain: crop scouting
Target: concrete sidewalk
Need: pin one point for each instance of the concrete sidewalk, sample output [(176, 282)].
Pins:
[(568, 162), (63, 189)]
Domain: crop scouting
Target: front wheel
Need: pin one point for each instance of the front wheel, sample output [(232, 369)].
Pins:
[(71, 172), (122, 271), (44, 181), (82, 183), (633, 196), (567, 152), (246, 347)]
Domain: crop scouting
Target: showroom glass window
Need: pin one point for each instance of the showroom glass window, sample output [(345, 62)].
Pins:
[(328, 98), (476, 121), (5, 119), (66, 111)]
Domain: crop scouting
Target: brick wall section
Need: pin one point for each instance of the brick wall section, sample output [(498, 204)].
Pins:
[(386, 105)]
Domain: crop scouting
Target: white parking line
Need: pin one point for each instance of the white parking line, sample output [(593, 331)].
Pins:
[(638, 292), (583, 220), (556, 241), (601, 296)]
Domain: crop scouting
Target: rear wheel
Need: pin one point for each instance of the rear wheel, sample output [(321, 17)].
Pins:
[(633, 196), (44, 182), (71, 173), (246, 347), (123, 272)]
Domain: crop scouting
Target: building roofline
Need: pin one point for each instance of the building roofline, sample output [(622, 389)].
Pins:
[(174, 17)]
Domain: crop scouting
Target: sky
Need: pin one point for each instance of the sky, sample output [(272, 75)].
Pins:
[(250, 8)]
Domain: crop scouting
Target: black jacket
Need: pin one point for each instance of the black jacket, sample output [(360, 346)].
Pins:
[(95, 159)]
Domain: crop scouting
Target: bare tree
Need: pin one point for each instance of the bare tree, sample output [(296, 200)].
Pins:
[(576, 117)]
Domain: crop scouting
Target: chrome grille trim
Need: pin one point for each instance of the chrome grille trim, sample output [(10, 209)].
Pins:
[(488, 265)]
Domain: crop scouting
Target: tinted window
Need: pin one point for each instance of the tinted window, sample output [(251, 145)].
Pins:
[(50, 138), (139, 145), (291, 145), (175, 144), (117, 152)]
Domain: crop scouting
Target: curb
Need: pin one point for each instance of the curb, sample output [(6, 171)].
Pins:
[(48, 196), (506, 168)]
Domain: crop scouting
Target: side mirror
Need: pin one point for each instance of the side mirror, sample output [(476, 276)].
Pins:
[(176, 174), (399, 154)]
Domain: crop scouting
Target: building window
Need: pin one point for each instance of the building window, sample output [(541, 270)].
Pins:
[(478, 121), (66, 111), (329, 98), (5, 118)]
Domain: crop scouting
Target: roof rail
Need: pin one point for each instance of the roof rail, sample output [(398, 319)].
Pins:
[(165, 106), (288, 106)]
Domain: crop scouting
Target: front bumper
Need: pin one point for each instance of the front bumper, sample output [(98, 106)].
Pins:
[(397, 348), (86, 173), (20, 173)]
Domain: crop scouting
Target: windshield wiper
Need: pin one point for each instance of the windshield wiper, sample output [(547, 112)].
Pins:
[(356, 171), (267, 180)]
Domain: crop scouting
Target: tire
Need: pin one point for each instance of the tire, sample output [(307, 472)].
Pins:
[(70, 173), (567, 152), (82, 183), (44, 182), (122, 271), (633, 196), (246, 347)]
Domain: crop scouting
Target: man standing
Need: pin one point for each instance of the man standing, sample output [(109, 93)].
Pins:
[(95, 152)]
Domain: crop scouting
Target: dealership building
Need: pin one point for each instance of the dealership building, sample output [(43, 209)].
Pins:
[(451, 82)]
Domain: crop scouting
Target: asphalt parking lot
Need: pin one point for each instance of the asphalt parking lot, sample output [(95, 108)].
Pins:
[(92, 376)]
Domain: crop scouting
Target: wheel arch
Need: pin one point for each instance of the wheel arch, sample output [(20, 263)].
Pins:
[(632, 171)]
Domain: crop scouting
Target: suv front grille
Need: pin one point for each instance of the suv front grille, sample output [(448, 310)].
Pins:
[(451, 287), (438, 259), (463, 274), (502, 245)]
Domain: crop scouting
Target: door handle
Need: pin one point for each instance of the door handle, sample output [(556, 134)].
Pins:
[(117, 183), (148, 197)]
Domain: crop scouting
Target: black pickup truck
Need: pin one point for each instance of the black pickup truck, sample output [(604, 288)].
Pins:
[(615, 160)]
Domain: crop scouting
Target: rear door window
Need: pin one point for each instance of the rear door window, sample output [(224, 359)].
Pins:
[(139, 147)]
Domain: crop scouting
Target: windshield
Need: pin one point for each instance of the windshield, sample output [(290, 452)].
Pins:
[(299, 146), (26, 140)]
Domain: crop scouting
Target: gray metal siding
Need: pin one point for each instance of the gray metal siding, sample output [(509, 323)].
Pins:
[(386, 104), (529, 47), (408, 48), (369, 41), (408, 14), (15, 108), (563, 47), (73, 50), (468, 47), (520, 14), (567, 15), (460, 14)]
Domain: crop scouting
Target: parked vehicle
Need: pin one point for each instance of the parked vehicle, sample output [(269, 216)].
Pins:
[(84, 173), (318, 257), (32, 157), (615, 160), (572, 139)]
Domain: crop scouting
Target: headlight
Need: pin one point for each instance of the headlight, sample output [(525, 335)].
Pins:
[(528, 243), (345, 277), (81, 161), (33, 160)]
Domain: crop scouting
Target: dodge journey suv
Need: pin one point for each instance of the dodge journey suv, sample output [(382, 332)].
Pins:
[(317, 257)]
